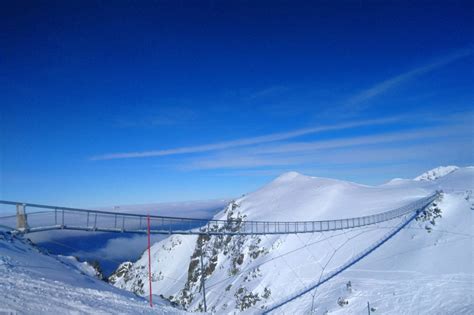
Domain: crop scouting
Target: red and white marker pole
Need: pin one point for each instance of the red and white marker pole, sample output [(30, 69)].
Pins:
[(149, 261)]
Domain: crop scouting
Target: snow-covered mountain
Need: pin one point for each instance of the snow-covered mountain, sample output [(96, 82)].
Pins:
[(33, 282), (427, 268), (437, 172)]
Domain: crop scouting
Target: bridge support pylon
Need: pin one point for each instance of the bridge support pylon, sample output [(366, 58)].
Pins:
[(21, 218)]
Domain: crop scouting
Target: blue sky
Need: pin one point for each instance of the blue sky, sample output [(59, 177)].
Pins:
[(163, 101)]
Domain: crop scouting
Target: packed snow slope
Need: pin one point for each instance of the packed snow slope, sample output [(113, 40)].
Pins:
[(427, 268), (33, 282)]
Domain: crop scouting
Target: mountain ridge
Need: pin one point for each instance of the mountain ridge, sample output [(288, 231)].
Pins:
[(436, 173)]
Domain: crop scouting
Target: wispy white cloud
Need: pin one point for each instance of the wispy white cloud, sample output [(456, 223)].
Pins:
[(257, 147), (402, 144), (363, 97), (391, 137), (245, 141), (450, 151)]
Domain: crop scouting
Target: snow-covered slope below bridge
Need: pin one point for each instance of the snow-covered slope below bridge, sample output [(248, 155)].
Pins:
[(32, 282), (427, 266)]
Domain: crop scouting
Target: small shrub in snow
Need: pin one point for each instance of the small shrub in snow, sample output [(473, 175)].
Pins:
[(429, 215), (342, 301)]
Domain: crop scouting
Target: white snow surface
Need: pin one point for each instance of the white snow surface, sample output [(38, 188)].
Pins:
[(437, 172), (33, 282), (82, 266), (415, 272)]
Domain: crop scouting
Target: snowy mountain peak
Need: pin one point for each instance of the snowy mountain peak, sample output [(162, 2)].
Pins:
[(436, 173), (288, 176)]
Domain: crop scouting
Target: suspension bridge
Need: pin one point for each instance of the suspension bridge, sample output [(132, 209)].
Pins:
[(46, 218)]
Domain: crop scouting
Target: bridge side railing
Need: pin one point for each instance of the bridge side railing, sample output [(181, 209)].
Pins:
[(53, 217)]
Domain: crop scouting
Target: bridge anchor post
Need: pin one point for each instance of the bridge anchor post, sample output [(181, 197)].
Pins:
[(21, 218)]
